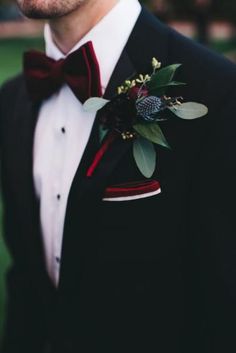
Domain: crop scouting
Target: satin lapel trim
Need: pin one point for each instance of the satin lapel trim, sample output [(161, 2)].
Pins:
[(124, 70)]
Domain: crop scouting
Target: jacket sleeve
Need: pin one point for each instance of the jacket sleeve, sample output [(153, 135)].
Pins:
[(24, 314)]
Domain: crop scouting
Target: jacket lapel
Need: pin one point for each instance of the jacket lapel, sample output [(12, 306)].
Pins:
[(95, 184), (135, 59), (87, 191)]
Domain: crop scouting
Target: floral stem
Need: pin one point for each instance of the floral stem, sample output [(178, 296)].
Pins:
[(100, 153)]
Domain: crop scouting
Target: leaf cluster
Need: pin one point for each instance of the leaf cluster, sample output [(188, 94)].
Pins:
[(150, 133)]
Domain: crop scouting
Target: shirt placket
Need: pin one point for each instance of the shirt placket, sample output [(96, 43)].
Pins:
[(58, 195)]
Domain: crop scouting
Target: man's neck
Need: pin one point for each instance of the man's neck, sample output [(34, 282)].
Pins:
[(70, 29)]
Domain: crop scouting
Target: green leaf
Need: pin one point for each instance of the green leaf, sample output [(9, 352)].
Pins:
[(94, 104), (102, 133), (160, 89), (152, 132), (162, 77), (145, 156), (189, 110), (171, 83)]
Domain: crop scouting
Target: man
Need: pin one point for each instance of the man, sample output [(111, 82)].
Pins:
[(152, 274)]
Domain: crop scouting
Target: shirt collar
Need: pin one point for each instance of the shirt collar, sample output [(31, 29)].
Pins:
[(109, 37)]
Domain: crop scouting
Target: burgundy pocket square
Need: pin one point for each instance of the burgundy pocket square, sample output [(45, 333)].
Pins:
[(132, 191)]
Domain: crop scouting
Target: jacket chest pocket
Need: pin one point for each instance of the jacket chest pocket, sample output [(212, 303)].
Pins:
[(130, 229)]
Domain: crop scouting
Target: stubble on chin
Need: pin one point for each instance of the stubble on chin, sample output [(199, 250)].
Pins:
[(48, 9)]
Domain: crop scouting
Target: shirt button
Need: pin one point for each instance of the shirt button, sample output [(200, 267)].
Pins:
[(58, 196), (58, 260), (63, 130)]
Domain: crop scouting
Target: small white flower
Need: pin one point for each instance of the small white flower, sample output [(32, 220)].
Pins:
[(156, 64)]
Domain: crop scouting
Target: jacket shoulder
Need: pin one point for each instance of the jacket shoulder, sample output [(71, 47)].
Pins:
[(12, 86), (181, 47), (209, 76)]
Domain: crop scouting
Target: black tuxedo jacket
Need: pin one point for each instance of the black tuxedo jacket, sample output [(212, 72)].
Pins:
[(149, 275)]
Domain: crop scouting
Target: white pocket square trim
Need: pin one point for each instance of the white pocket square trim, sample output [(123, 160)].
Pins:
[(133, 197)]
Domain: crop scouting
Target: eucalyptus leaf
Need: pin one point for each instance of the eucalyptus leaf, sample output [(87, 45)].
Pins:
[(145, 156), (102, 133), (159, 90), (162, 77), (152, 132), (189, 110), (171, 83), (94, 104)]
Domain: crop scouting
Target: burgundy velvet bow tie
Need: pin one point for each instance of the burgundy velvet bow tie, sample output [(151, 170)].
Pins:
[(80, 70)]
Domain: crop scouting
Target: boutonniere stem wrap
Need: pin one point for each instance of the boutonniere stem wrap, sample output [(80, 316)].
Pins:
[(100, 153), (136, 111)]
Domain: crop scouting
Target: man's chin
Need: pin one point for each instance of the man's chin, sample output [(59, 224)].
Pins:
[(40, 15), (47, 9)]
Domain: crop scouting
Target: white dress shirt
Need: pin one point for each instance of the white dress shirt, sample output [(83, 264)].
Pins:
[(63, 128)]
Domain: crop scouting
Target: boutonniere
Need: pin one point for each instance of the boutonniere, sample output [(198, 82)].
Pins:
[(135, 112)]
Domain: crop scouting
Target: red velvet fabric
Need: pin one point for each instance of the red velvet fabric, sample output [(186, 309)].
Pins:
[(131, 189), (80, 70), (100, 153)]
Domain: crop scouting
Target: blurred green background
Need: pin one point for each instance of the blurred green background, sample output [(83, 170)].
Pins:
[(18, 35)]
